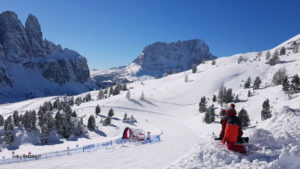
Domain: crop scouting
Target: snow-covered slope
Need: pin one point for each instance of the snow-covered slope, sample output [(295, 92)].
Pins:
[(33, 67), (155, 60), (171, 106)]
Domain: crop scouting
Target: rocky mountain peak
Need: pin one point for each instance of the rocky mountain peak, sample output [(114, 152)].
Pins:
[(35, 36)]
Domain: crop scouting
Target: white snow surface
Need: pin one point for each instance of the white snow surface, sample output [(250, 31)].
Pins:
[(171, 108)]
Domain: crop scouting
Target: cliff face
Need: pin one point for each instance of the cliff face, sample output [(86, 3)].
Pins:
[(23, 51), (163, 57)]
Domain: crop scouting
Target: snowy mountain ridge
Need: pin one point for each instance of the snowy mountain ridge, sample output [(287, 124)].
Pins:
[(171, 106), (33, 67), (156, 59)]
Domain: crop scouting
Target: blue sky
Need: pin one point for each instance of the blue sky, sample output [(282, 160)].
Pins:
[(113, 32)]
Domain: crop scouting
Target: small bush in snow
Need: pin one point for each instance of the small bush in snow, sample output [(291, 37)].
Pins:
[(266, 110), (194, 68), (279, 76), (244, 117)]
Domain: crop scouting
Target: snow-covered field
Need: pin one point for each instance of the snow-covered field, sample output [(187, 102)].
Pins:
[(171, 108)]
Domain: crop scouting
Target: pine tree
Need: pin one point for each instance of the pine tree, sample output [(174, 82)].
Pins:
[(44, 134), (16, 118), (229, 96), (91, 123), (1, 120), (108, 121), (247, 83), (79, 128), (213, 62), (186, 78), (249, 93), (194, 68), (268, 55), (142, 97), (283, 51), (237, 99), (71, 101), (88, 97), (8, 128), (274, 60), (285, 84), (78, 101), (111, 113), (214, 99), (256, 83), (124, 87), (111, 91), (240, 59), (74, 114), (222, 94), (100, 95), (202, 104), (266, 110), (296, 80), (128, 95), (125, 117), (244, 117), (209, 116), (279, 76), (98, 110), (165, 74)]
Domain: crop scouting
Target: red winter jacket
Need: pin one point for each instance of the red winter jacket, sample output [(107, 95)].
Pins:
[(223, 123)]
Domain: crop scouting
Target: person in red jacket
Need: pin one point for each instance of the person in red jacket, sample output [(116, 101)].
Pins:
[(233, 131), (223, 122)]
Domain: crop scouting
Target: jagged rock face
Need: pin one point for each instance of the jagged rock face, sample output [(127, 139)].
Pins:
[(13, 37), (35, 36), (165, 57), (23, 51)]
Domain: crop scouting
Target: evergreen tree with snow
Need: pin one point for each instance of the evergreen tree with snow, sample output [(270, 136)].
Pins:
[(165, 74), (124, 87), (214, 99), (111, 91), (240, 59), (111, 113), (222, 94), (229, 96), (285, 84), (71, 101), (100, 95), (194, 68), (8, 128), (213, 62), (247, 83), (97, 110), (107, 121), (249, 93), (274, 60), (78, 101), (296, 80), (79, 128), (88, 97), (74, 114), (282, 51), (244, 117), (44, 134), (186, 78), (91, 123), (266, 110), (142, 97), (268, 55), (128, 95), (202, 104), (16, 118), (237, 99), (209, 116), (125, 117), (279, 76), (1, 120), (256, 83)]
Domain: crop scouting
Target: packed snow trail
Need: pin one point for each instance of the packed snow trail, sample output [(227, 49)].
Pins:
[(175, 142)]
